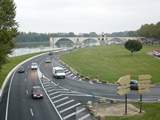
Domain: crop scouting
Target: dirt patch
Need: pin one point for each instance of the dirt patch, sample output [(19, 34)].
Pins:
[(116, 109)]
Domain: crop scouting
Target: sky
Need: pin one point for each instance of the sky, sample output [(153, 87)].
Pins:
[(80, 16)]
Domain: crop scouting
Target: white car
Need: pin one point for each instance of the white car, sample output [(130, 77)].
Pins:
[(58, 72), (47, 60), (34, 66)]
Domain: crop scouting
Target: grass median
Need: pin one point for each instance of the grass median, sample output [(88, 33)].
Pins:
[(12, 62), (108, 63), (151, 113)]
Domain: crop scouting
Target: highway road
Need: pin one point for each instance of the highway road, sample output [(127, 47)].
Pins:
[(64, 99)]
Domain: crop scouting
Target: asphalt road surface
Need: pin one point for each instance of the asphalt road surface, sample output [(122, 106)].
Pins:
[(64, 99)]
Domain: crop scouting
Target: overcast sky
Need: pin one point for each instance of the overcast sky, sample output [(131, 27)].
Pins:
[(85, 15)]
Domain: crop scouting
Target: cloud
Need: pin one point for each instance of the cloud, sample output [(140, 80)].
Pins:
[(85, 15)]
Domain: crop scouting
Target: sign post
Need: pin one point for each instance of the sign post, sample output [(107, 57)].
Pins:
[(124, 88), (143, 86)]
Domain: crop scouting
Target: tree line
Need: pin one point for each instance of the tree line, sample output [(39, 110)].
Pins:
[(8, 29), (150, 31)]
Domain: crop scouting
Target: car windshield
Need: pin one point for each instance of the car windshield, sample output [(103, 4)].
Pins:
[(59, 71)]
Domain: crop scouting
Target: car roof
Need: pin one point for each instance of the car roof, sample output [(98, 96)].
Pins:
[(58, 68), (36, 87), (135, 81)]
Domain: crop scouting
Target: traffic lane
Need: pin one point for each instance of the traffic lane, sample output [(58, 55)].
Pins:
[(3, 101), (21, 106), (18, 106)]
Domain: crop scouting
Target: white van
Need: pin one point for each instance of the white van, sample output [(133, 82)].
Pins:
[(58, 72)]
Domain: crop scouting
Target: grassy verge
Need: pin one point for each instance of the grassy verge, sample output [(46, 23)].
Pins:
[(108, 63), (151, 113), (12, 62)]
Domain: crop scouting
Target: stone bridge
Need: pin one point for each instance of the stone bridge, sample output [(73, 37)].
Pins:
[(88, 41)]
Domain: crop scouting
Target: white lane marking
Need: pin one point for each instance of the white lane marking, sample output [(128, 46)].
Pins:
[(25, 79), (65, 103), (84, 117), (74, 113), (57, 96), (90, 82), (48, 88), (70, 75), (26, 92), (54, 93), (80, 80), (60, 99), (75, 105), (8, 96), (50, 100), (86, 95), (46, 85), (67, 73), (55, 90), (31, 111), (74, 77)]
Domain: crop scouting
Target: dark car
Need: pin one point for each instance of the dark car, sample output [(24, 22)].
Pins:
[(21, 70), (37, 92), (50, 53), (134, 85)]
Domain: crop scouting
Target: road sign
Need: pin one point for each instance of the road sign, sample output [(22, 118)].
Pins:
[(123, 91), (124, 80), (144, 83), (145, 77), (124, 85)]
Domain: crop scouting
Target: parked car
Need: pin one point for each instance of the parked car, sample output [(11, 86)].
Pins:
[(156, 53), (58, 72), (34, 66), (47, 60), (37, 92), (21, 70), (134, 85)]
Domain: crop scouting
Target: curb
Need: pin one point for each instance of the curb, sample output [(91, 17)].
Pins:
[(13, 69)]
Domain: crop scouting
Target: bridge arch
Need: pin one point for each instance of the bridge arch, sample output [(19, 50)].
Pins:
[(64, 42), (90, 42)]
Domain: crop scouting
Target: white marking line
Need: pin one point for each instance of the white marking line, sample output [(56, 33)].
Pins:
[(58, 106), (70, 75), (25, 79), (48, 88), (26, 92), (55, 90), (60, 100), (74, 113), (54, 93), (53, 83), (80, 80), (8, 96), (74, 77), (51, 100), (67, 73), (78, 95), (90, 82), (84, 117), (57, 96), (46, 85), (31, 111), (70, 107)]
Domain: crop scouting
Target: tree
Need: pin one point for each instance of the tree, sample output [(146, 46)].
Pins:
[(133, 45), (8, 28)]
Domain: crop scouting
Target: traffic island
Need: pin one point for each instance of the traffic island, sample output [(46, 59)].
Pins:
[(103, 110)]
